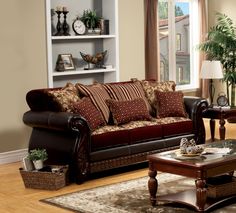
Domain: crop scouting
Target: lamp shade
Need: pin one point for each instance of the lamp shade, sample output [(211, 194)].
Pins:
[(211, 70)]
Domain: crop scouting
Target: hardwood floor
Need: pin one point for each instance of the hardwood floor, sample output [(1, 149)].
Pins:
[(15, 198)]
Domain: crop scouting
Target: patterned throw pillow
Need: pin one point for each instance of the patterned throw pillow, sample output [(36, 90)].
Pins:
[(126, 91), (98, 95), (126, 111), (87, 110), (65, 96), (150, 86), (170, 104)]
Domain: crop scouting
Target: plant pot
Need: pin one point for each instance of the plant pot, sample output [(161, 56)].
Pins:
[(38, 164), (97, 30), (90, 31)]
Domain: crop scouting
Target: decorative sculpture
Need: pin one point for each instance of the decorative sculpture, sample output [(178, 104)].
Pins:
[(97, 59)]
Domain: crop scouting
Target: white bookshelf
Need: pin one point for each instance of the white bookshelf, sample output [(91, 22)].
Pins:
[(88, 44)]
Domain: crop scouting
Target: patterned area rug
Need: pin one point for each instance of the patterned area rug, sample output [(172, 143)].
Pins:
[(129, 197)]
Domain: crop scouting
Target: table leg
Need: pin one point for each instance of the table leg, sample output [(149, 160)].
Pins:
[(222, 128), (201, 193), (152, 186), (212, 128)]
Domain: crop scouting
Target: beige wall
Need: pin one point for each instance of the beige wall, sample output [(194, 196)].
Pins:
[(24, 65), (227, 7), (131, 34)]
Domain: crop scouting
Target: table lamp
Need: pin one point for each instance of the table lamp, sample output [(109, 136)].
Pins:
[(211, 70)]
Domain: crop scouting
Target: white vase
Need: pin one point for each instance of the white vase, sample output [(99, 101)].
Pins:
[(38, 164)]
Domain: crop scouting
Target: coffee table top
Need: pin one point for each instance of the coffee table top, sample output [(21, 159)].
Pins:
[(214, 153)]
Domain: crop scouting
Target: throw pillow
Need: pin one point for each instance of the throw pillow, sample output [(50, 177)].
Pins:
[(150, 86), (87, 110), (65, 96), (126, 91), (126, 111), (98, 95), (170, 104)]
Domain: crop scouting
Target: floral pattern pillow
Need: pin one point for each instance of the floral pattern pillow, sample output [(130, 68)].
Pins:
[(150, 86), (65, 97)]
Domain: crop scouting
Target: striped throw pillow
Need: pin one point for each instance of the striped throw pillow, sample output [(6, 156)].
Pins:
[(126, 91), (98, 95)]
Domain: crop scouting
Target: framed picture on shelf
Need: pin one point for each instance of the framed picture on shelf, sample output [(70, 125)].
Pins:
[(65, 62)]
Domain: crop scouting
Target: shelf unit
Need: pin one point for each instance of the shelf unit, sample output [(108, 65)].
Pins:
[(88, 44)]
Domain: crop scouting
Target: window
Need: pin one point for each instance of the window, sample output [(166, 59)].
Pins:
[(178, 39), (178, 42)]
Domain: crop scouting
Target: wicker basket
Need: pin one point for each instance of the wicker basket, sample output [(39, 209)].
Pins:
[(221, 186), (45, 180)]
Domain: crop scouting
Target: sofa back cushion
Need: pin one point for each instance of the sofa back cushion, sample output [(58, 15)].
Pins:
[(98, 96), (126, 91), (150, 86), (126, 111), (170, 104), (86, 109)]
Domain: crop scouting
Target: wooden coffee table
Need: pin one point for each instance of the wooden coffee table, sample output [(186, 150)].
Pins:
[(199, 168)]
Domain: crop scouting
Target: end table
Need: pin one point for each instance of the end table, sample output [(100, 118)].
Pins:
[(221, 114)]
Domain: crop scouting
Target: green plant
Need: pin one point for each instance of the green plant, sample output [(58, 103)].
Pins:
[(90, 19), (221, 45), (38, 154)]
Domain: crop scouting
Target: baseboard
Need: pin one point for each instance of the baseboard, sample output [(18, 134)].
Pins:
[(13, 156)]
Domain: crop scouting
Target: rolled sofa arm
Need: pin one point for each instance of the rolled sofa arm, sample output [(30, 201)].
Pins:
[(194, 107), (65, 136)]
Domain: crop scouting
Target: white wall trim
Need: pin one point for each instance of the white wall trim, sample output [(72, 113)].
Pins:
[(13, 156)]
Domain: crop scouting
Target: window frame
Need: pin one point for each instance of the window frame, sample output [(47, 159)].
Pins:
[(194, 41)]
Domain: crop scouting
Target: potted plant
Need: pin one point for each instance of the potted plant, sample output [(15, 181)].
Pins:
[(221, 45), (38, 156), (91, 20)]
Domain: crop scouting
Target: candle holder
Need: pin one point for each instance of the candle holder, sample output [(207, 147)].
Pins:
[(59, 25), (65, 26)]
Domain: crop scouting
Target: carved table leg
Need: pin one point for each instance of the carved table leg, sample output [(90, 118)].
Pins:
[(152, 186), (201, 193), (222, 129), (212, 129)]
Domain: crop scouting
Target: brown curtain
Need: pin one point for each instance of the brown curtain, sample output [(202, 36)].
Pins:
[(151, 40), (204, 84)]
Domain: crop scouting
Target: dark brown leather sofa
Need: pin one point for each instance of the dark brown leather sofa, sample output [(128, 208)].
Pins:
[(68, 139)]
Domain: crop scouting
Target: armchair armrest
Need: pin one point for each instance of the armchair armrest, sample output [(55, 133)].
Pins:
[(194, 107)]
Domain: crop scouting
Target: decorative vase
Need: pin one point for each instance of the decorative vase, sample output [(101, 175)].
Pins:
[(38, 164)]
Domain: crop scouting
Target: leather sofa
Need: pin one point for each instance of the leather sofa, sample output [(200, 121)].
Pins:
[(69, 139)]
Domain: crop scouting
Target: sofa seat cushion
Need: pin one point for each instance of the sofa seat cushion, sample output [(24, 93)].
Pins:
[(136, 132), (176, 126), (109, 136)]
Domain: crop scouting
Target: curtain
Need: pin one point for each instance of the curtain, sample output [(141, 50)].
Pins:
[(203, 83), (151, 40)]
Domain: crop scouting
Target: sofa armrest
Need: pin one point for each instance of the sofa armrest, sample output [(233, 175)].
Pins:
[(65, 136), (63, 121), (194, 107)]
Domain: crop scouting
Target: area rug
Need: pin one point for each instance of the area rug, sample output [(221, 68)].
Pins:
[(129, 197)]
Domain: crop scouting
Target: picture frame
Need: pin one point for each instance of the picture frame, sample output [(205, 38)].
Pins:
[(65, 62)]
